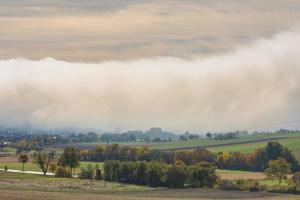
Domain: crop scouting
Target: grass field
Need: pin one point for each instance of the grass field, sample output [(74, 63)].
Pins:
[(248, 143), (32, 187), (7, 151), (10, 180), (210, 142), (245, 144), (190, 144), (11, 163), (292, 143), (272, 183)]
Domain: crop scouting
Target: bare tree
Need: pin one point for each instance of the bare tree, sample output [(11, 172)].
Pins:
[(43, 159)]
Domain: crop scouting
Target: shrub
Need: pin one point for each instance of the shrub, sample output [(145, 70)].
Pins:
[(111, 170), (202, 175), (156, 174), (230, 185), (62, 172), (87, 172), (126, 171), (284, 190), (241, 185), (255, 187), (53, 167)]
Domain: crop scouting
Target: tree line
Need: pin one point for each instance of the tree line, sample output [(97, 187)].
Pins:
[(160, 174), (255, 161), (126, 153), (258, 160), (190, 169)]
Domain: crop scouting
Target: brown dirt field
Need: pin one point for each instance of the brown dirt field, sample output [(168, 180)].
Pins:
[(8, 159), (158, 195), (246, 175), (11, 159)]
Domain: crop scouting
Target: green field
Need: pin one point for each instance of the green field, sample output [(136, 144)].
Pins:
[(40, 182), (190, 144), (210, 142), (7, 151), (18, 166), (291, 143), (245, 144), (33, 167), (273, 183)]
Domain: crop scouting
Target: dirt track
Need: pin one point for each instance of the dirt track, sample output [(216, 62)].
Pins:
[(158, 195)]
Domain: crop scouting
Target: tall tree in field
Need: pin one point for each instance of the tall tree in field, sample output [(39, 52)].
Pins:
[(273, 150), (23, 158), (43, 160), (278, 169), (70, 158)]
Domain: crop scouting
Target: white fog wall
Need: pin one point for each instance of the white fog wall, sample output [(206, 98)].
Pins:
[(252, 85)]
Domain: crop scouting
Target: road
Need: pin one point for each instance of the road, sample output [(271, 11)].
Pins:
[(27, 172), (30, 172)]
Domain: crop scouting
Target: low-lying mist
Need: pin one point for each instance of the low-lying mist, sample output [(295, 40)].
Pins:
[(250, 86)]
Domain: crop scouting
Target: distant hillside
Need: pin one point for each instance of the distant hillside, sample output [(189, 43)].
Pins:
[(245, 144)]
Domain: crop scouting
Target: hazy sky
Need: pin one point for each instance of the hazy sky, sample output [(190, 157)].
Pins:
[(80, 30), (182, 65)]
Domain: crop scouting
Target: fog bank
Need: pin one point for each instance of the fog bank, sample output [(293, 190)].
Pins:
[(253, 85)]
